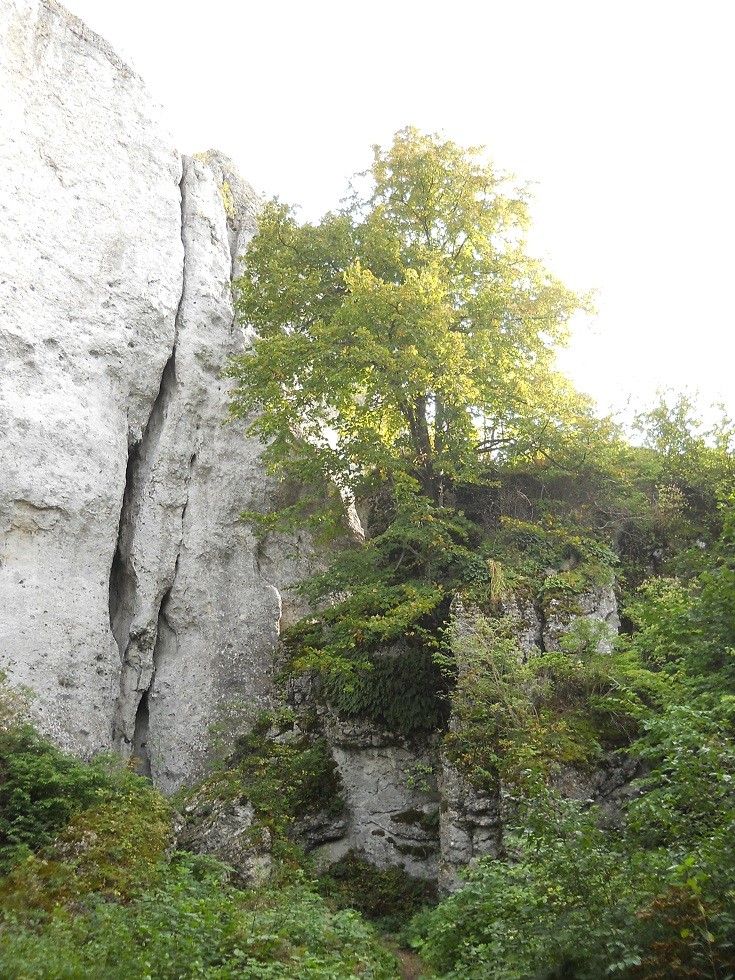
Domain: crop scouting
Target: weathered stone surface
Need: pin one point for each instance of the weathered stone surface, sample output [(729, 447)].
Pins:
[(526, 624), (470, 825), (227, 830), (609, 785), (314, 831), (597, 607), (134, 601), (391, 814), (195, 620), (90, 281)]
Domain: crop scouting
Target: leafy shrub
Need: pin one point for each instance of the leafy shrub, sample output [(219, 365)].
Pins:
[(42, 788), (103, 897), (281, 771), (197, 927), (563, 905), (530, 549), (514, 715), (389, 895), (689, 789), (114, 850), (405, 692)]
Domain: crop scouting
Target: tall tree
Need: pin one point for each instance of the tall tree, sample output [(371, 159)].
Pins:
[(409, 335)]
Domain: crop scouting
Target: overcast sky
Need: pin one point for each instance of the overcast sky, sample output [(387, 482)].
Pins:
[(619, 113)]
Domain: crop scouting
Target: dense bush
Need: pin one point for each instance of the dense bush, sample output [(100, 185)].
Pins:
[(572, 901), (191, 925), (42, 788), (404, 691), (283, 772), (387, 895), (91, 888), (656, 898)]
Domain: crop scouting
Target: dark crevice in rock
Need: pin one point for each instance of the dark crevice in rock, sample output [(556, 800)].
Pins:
[(538, 608), (123, 579), (189, 472), (165, 653), (141, 753), (167, 641), (137, 641), (166, 645), (122, 575)]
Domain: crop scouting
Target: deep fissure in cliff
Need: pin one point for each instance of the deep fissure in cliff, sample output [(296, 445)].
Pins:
[(140, 749), (140, 642), (166, 645), (123, 578)]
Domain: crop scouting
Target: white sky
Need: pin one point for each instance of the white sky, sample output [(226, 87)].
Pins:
[(619, 111)]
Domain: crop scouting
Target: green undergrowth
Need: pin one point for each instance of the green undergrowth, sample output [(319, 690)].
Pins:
[(404, 692), (651, 895), (387, 896), (284, 772), (573, 901), (515, 714), (43, 791), (91, 886), (550, 557), (192, 924)]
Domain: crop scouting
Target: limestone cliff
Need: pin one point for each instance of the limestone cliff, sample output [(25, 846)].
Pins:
[(132, 600)]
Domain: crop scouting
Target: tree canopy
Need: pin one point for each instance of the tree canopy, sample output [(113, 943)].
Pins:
[(409, 335)]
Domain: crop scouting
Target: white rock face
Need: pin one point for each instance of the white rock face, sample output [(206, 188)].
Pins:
[(132, 600), (470, 825), (195, 620), (90, 280), (592, 614), (391, 813)]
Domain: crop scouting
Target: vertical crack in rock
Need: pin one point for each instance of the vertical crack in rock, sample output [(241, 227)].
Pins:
[(134, 628), (145, 749), (123, 577), (145, 734), (538, 608), (134, 633), (140, 738)]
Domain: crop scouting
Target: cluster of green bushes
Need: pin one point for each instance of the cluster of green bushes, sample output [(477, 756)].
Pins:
[(653, 896), (91, 885), (387, 896), (192, 924), (572, 901)]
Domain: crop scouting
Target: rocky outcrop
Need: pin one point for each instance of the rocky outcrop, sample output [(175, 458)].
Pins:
[(471, 820), (135, 604), (470, 825), (228, 830), (609, 785), (388, 786), (588, 617), (195, 621), (91, 276), (391, 801)]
